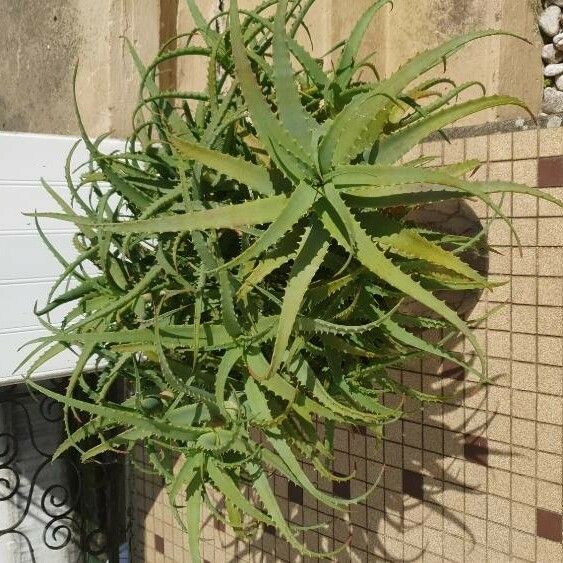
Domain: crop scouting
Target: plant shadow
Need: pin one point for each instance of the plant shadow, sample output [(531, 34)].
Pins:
[(431, 465)]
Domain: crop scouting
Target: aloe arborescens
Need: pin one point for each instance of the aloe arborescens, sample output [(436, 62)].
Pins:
[(252, 253)]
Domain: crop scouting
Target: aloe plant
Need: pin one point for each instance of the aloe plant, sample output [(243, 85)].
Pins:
[(244, 264)]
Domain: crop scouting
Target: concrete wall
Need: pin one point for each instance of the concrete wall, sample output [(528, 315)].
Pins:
[(42, 41), (503, 64)]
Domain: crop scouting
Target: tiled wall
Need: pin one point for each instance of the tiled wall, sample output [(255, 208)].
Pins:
[(480, 477)]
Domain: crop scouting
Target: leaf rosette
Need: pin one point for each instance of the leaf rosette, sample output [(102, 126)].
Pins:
[(244, 264)]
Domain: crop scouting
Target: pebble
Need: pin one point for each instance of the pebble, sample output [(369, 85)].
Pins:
[(553, 70), (549, 20), (557, 42), (554, 121), (552, 100), (559, 82), (551, 55), (554, 3)]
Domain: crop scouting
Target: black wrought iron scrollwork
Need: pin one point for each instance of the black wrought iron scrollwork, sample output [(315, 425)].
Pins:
[(50, 410), (67, 498), (8, 486)]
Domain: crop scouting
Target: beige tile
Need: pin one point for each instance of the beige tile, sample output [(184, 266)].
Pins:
[(550, 261), (550, 438), (433, 464), (434, 149), (524, 405), (524, 205), (524, 261), (498, 428), (550, 232), (523, 489), (498, 510), (523, 462), (476, 477), (524, 318), (500, 234), (476, 529), (500, 319), (523, 517), (550, 350), (550, 467), (549, 209), (454, 151), (500, 171), (433, 541), (524, 290), (393, 479), (476, 504), (525, 144), (412, 434), (499, 400), (500, 147), (551, 142), (550, 496), (548, 551), (475, 553), (433, 439), (550, 321), (498, 537), (524, 347), (524, 433), (499, 480), (526, 172), (499, 367), (393, 432), (393, 454), (524, 376), (412, 459), (500, 263), (499, 455), (498, 344), (523, 545), (550, 409), (502, 292), (453, 548), (476, 148), (550, 380), (527, 230)]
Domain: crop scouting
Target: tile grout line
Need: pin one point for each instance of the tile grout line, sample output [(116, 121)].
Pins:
[(511, 364)]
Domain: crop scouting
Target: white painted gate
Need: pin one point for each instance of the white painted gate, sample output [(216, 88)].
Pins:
[(27, 268), (33, 491)]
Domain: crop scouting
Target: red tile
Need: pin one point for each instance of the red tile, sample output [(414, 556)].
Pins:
[(341, 488), (159, 543), (413, 484), (294, 493), (550, 172), (549, 525), (219, 525)]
